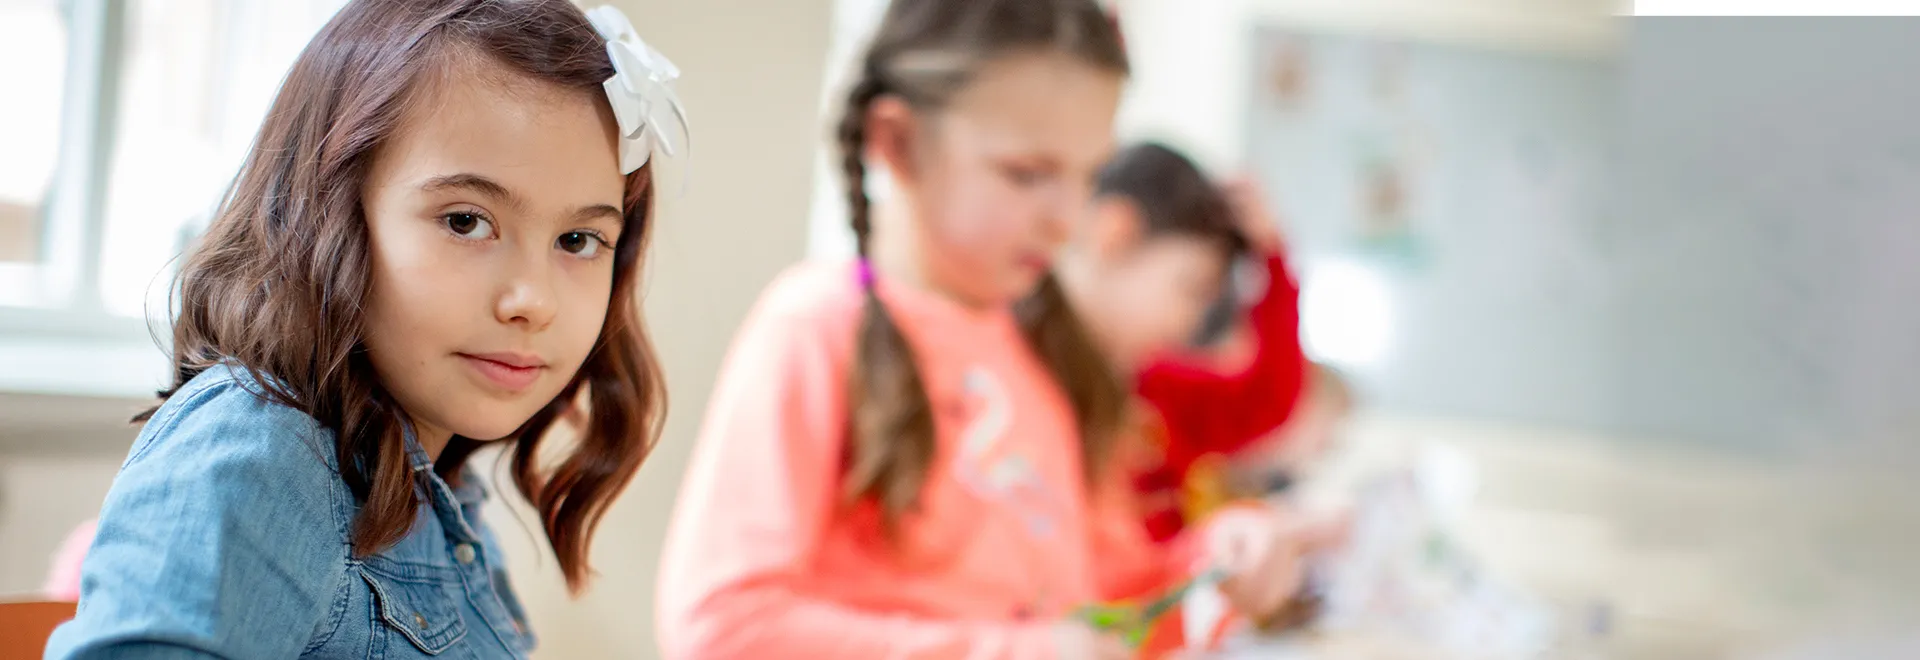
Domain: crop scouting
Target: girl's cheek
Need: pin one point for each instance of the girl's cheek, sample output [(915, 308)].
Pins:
[(583, 327), (966, 231)]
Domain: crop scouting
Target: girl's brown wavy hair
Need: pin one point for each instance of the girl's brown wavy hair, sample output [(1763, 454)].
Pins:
[(279, 283)]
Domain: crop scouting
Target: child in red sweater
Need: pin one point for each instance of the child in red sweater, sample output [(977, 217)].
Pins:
[(1220, 378)]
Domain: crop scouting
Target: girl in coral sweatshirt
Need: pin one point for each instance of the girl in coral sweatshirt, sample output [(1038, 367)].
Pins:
[(918, 454)]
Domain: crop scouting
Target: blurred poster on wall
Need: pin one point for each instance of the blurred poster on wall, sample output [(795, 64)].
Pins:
[(1462, 185), (1383, 145)]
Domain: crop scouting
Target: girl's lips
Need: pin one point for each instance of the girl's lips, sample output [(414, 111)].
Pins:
[(508, 371)]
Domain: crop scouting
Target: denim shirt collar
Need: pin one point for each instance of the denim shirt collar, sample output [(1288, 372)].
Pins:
[(469, 492), (416, 455)]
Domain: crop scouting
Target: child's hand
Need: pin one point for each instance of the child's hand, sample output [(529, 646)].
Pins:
[(1073, 640), (1262, 551), (1256, 218)]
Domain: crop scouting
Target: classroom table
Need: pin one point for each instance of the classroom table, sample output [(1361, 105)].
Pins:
[(1693, 552)]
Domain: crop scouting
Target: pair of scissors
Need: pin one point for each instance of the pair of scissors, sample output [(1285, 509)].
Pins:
[(1133, 623)]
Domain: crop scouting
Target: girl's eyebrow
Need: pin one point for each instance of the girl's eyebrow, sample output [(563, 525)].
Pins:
[(475, 183), (500, 193), (603, 212)]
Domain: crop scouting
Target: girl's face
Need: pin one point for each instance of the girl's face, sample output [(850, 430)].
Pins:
[(493, 213), (1004, 169), (1141, 295)]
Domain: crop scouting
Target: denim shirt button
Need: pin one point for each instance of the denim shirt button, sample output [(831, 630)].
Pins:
[(419, 620), (463, 553)]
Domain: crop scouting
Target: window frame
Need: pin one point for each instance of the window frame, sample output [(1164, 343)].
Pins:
[(72, 345)]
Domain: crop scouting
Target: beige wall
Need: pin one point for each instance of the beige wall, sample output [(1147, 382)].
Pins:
[(58, 455), (42, 498)]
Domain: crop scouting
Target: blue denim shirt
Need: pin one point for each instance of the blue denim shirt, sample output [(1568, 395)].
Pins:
[(226, 535)]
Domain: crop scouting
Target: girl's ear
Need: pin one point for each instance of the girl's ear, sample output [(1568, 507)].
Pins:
[(1116, 227), (891, 129)]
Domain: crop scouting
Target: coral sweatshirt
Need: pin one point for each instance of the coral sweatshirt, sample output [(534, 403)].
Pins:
[(765, 559)]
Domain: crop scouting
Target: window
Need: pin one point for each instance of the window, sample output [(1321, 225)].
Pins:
[(126, 121), (196, 88), (31, 31)]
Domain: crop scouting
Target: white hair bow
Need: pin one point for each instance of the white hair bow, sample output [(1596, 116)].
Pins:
[(640, 91)]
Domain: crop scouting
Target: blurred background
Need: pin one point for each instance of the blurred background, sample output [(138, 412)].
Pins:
[(1656, 276)]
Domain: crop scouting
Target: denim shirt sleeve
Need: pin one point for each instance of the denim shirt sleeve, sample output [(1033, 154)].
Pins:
[(222, 537)]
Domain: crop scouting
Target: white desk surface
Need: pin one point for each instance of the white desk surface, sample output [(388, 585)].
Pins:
[(1697, 554)]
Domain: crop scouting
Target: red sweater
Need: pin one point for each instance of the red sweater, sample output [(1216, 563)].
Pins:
[(1204, 411)]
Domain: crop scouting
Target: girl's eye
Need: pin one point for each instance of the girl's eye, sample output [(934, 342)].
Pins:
[(471, 226), (585, 245), (1025, 176)]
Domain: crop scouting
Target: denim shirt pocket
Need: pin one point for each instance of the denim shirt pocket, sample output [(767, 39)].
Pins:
[(418, 602)]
